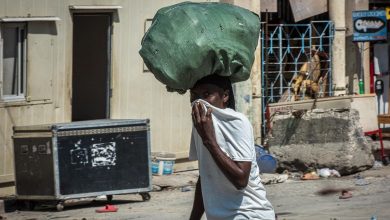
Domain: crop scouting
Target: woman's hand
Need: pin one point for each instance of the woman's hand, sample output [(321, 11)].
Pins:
[(236, 171), (204, 124)]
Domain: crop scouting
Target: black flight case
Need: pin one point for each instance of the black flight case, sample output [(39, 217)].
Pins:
[(57, 162)]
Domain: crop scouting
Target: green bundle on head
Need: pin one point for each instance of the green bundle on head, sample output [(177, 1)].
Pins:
[(188, 41)]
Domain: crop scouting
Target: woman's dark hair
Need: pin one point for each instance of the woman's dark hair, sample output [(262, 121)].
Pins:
[(222, 82)]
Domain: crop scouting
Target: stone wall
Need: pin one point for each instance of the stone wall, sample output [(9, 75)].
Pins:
[(304, 140)]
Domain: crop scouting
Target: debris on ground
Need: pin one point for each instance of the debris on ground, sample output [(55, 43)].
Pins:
[(174, 181), (186, 188), (294, 175), (345, 194), (377, 165), (310, 176), (322, 196), (107, 208), (334, 173), (156, 188), (326, 172), (268, 178), (360, 181)]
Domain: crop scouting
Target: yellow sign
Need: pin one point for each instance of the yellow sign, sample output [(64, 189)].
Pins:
[(388, 13)]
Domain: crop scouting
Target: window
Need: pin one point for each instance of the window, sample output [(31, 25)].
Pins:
[(13, 39)]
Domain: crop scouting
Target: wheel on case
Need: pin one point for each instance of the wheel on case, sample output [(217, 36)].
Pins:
[(30, 205), (386, 160), (109, 198), (60, 206), (145, 196)]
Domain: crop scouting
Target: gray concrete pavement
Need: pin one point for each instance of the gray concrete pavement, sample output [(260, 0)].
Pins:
[(293, 200)]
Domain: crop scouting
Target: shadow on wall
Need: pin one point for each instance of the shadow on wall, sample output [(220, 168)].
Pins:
[(353, 65), (291, 127), (43, 27)]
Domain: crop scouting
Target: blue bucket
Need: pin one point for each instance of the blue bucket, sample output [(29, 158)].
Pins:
[(266, 162)]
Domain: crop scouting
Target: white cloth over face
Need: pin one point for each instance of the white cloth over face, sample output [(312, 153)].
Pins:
[(220, 197)]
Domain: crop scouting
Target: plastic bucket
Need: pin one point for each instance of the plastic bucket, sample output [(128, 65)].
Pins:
[(162, 163), (266, 162), (260, 150)]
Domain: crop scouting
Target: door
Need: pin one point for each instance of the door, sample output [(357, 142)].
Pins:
[(91, 66)]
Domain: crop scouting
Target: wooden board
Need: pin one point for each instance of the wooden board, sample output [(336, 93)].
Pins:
[(303, 9), (268, 6), (366, 105)]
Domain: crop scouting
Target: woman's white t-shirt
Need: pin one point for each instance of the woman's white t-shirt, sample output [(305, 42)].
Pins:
[(222, 201)]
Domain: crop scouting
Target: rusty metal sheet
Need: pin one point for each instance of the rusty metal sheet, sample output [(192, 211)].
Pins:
[(303, 9), (268, 5)]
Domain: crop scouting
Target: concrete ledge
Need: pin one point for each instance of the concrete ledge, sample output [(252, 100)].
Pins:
[(320, 138), (7, 189), (5, 179), (322, 103), (364, 104)]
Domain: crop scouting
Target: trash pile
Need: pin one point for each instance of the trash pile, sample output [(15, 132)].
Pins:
[(189, 41), (323, 172)]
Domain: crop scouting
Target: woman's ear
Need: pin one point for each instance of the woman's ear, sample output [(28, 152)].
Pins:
[(225, 97)]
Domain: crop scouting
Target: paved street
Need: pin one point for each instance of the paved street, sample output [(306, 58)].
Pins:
[(293, 200)]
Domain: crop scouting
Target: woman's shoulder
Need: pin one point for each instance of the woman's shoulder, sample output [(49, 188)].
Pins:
[(238, 115)]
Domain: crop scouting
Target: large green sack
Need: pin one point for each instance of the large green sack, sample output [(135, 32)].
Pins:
[(188, 41)]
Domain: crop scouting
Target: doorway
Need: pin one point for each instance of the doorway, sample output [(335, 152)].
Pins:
[(91, 66)]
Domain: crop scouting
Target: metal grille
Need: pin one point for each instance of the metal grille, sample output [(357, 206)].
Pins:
[(296, 62), (101, 131)]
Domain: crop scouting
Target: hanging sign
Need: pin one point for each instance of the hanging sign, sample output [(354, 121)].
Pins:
[(369, 25)]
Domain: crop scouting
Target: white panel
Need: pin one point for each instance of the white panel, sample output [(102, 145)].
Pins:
[(24, 19), (40, 60), (269, 6), (381, 58), (365, 104), (94, 7), (303, 9)]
